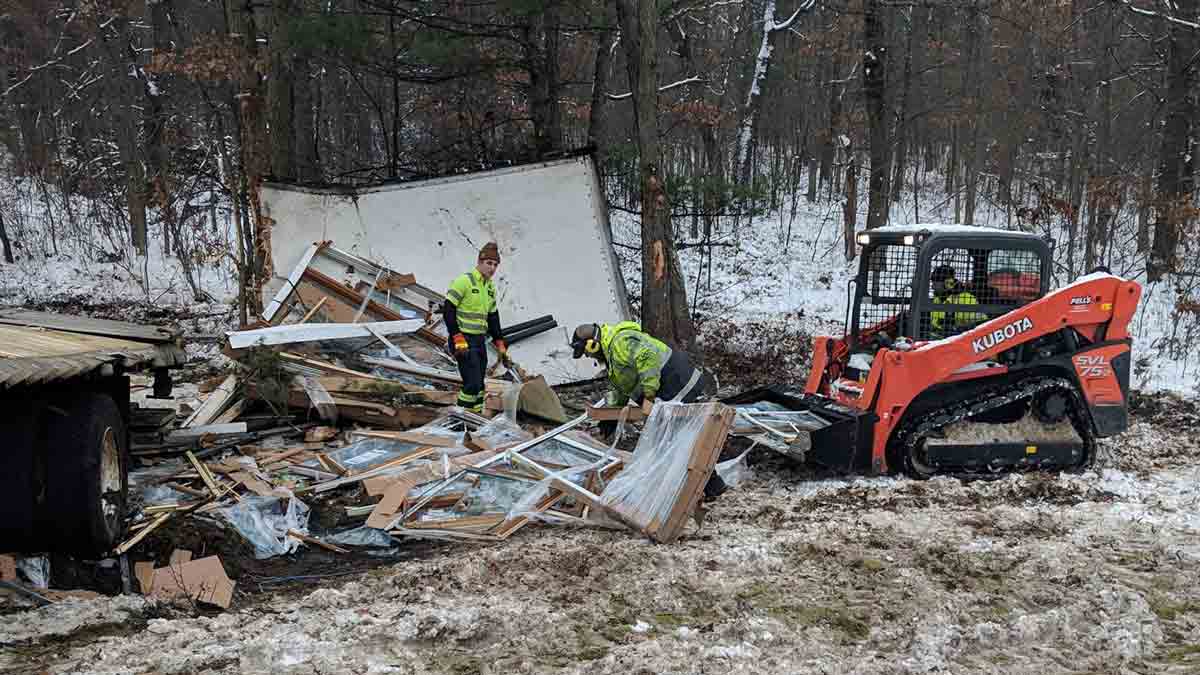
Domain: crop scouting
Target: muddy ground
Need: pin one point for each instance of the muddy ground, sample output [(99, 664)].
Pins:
[(791, 573)]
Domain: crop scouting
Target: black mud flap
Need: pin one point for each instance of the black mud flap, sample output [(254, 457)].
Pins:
[(842, 443)]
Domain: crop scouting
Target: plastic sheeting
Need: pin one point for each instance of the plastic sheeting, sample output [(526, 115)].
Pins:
[(651, 484), (265, 521), (361, 536), (501, 431), (493, 494), (366, 453), (734, 471)]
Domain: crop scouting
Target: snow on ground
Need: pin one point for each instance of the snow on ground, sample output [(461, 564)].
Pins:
[(791, 272), (1096, 572), (793, 572)]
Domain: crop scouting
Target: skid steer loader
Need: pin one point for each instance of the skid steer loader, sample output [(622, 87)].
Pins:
[(996, 374)]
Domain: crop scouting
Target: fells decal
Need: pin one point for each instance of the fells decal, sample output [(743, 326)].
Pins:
[(1001, 335)]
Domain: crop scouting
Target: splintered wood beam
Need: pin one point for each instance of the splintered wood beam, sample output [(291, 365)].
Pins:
[(289, 286), (315, 542), (309, 314), (214, 404), (132, 541), (312, 332)]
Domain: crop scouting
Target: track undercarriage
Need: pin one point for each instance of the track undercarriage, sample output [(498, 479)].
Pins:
[(1035, 424)]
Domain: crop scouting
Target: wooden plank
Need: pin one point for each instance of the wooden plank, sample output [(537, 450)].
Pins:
[(285, 291), (279, 456), (132, 541), (311, 332), (315, 308), (315, 542), (393, 499), (214, 404), (255, 485), (632, 414), (411, 437), (231, 413), (481, 522), (350, 296), (451, 377), (233, 428), (419, 453), (86, 326), (335, 308)]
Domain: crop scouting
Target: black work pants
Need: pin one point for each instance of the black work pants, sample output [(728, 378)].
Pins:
[(471, 366)]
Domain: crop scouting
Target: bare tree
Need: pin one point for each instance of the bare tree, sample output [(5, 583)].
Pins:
[(1176, 169), (665, 312)]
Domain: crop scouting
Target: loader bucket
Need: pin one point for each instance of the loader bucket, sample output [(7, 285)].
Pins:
[(815, 429)]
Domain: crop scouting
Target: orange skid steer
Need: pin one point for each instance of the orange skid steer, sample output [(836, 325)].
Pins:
[(959, 360)]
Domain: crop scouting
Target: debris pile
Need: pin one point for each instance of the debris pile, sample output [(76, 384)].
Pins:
[(342, 404)]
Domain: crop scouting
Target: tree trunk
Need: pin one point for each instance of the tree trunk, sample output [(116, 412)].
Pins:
[(281, 90), (8, 254), (255, 154), (874, 76), (1173, 203), (903, 127), (596, 118), (155, 122), (541, 55), (850, 208), (665, 312), (743, 165)]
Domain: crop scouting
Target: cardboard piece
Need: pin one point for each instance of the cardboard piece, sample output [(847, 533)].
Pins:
[(144, 571), (202, 580), (8, 568), (180, 556)]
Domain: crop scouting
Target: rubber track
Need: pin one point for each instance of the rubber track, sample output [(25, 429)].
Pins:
[(913, 432)]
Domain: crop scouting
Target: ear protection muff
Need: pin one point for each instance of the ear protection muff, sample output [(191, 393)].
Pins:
[(593, 344)]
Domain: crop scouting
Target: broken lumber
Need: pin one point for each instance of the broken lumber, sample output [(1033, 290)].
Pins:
[(132, 541), (293, 279), (312, 332), (315, 542), (214, 404)]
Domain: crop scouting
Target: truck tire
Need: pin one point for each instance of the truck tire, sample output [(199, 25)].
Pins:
[(23, 476), (87, 482)]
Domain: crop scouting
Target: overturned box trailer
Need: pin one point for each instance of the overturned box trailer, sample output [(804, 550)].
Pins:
[(64, 457), (549, 219)]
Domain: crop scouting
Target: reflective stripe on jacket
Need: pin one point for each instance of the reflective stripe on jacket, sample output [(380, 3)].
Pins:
[(473, 298), (635, 361), (938, 319)]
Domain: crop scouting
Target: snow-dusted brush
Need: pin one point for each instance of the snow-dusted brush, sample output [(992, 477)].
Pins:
[(959, 359)]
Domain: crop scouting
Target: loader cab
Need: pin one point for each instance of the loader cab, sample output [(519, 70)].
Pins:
[(991, 271)]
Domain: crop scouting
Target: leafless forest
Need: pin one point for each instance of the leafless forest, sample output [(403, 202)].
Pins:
[(150, 124)]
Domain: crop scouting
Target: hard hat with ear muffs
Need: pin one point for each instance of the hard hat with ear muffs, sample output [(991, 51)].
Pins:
[(586, 340)]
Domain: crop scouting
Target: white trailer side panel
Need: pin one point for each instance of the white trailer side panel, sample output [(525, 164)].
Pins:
[(549, 220)]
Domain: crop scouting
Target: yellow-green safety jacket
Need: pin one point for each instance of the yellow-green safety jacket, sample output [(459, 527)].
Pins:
[(938, 319), (473, 298), (635, 361)]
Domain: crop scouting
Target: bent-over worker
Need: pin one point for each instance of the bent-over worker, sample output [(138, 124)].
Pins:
[(640, 367), (470, 313)]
